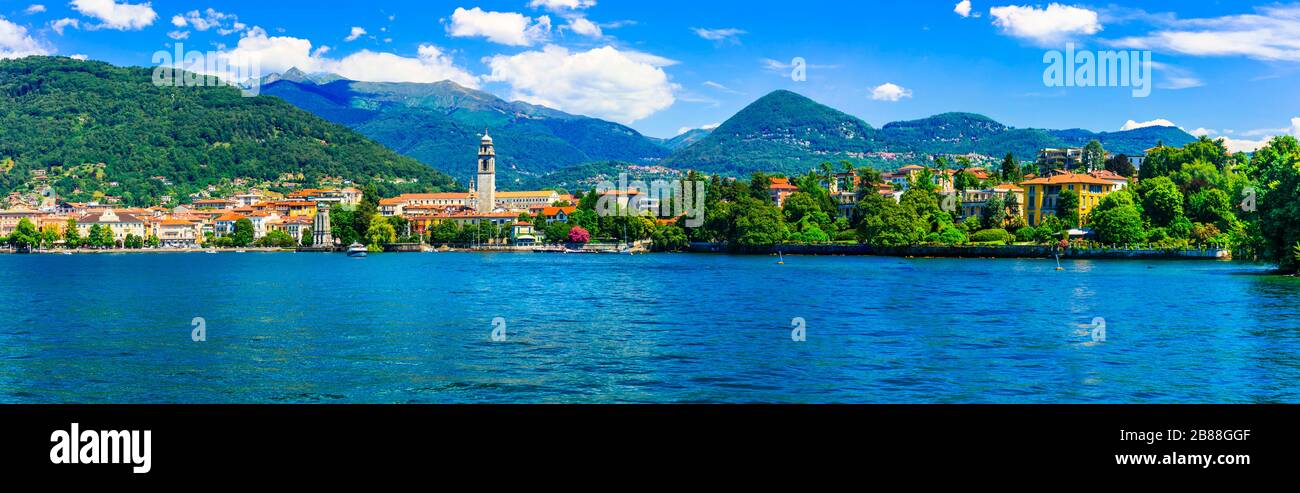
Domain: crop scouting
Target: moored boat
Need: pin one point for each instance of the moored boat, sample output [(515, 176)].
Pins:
[(357, 250)]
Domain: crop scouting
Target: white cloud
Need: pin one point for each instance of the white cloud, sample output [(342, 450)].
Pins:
[(729, 34), (15, 42), (720, 87), (890, 92), (60, 25), (178, 35), (1134, 125), (224, 23), (357, 32), (79, 57), (1203, 132), (584, 27), (962, 8), (1045, 26), (603, 82), (560, 5), (280, 53), (1273, 33), (507, 28), (1264, 136), (35, 8), (1242, 145), (122, 16)]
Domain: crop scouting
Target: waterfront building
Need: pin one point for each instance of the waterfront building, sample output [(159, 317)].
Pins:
[(9, 219), (260, 219), (179, 233), (1043, 193), (122, 224), (224, 225), (558, 214), (523, 234)]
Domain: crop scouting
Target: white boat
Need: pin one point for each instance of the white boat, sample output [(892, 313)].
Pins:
[(357, 250)]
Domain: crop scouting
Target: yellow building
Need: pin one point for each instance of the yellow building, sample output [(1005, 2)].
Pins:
[(1042, 194)]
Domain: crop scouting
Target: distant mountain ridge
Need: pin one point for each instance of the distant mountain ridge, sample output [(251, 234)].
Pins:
[(780, 132), (790, 133), (439, 124)]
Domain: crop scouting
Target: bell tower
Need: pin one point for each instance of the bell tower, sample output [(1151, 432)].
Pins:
[(487, 175)]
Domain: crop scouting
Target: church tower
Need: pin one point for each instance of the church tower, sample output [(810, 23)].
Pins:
[(487, 176)]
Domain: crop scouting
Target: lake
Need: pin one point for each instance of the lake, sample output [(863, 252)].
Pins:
[(418, 328)]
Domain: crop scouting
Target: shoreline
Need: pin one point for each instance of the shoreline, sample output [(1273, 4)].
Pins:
[(1028, 252)]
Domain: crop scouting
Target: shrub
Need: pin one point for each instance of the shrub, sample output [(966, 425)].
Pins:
[(991, 236), (1025, 234)]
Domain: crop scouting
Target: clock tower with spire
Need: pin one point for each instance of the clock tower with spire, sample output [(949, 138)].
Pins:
[(487, 175)]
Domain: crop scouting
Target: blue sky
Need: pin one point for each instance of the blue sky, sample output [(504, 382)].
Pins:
[(1226, 69)]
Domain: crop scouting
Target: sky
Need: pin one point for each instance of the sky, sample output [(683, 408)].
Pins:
[(1225, 69)]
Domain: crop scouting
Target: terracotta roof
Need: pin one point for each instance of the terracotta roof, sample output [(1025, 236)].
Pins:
[(781, 184), (555, 211), (176, 222), (1067, 179), (1106, 174), (230, 216), (1008, 186), (98, 217)]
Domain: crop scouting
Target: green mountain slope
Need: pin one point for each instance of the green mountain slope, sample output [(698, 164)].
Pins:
[(782, 131), (439, 124), (61, 113)]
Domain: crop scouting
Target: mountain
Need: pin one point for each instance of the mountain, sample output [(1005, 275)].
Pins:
[(440, 123), (686, 138), (782, 131), (58, 114), (789, 133)]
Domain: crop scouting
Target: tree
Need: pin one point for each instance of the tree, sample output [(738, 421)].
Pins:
[(243, 235), (1011, 170), (758, 224), (1067, 208), (1276, 167), (71, 236), (1161, 201), (1094, 156), (669, 238), (995, 212), (25, 235), (1118, 220), (893, 226), (1121, 165), (380, 233), (579, 235)]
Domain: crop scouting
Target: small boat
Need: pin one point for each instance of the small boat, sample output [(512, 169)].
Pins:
[(357, 250), (781, 256)]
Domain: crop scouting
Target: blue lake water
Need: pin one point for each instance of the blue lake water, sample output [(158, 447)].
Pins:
[(416, 328)]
